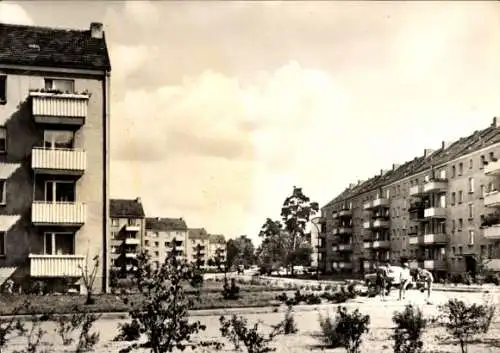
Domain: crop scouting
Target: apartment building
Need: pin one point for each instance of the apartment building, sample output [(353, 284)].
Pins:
[(128, 225), (439, 211), (164, 235), (217, 249), (197, 246), (54, 154)]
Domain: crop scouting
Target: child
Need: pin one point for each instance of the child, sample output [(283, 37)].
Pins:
[(426, 277), (404, 280), (381, 282)]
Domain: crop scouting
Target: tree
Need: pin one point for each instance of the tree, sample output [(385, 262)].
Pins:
[(232, 253), (301, 256), (273, 250), (89, 274), (296, 212), (245, 251)]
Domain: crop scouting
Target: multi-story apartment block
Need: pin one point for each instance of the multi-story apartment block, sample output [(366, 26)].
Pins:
[(128, 225), (54, 153), (197, 246), (217, 249), (438, 211), (164, 235)]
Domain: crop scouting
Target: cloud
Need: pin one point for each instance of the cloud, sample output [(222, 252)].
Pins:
[(14, 14)]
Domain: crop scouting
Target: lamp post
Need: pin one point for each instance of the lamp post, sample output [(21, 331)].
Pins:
[(315, 221)]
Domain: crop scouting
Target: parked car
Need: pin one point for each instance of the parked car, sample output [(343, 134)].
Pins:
[(394, 273)]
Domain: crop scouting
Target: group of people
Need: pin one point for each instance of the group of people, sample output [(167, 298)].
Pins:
[(387, 277)]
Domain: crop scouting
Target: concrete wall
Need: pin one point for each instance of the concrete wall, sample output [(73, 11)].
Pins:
[(22, 135)]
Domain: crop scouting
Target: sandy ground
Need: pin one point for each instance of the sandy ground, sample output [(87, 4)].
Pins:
[(378, 340)]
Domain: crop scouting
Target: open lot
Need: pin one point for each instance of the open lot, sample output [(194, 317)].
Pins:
[(378, 340)]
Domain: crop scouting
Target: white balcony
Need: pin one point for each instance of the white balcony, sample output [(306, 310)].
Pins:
[(367, 265), (58, 161), (414, 240), (132, 241), (335, 215), (492, 199), (492, 168), (345, 247), (381, 244), (367, 245), (437, 238), (492, 232), (58, 213), (56, 265), (132, 228), (335, 248), (438, 265), (131, 255), (345, 230), (435, 186), (56, 108), (413, 264), (367, 225), (345, 213), (335, 231), (435, 212), (367, 205), (380, 202), (345, 265), (416, 190), (380, 223)]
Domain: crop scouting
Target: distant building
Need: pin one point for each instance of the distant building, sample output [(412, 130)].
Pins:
[(217, 248), (54, 154), (128, 226), (197, 246), (164, 235)]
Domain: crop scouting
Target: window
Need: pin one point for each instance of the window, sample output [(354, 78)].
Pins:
[(460, 168), (60, 191), (132, 222), (453, 250), (114, 249), (3, 139), (453, 198), (471, 185), (471, 211), (460, 196), (115, 222), (146, 242), (2, 243), (453, 171), (157, 253), (471, 237), (483, 161), (481, 190), (58, 139), (387, 193), (492, 156), (3, 192), (471, 163), (460, 223), (460, 250), (157, 244), (59, 244), (167, 244), (490, 251), (65, 86), (453, 225), (3, 89), (483, 251)]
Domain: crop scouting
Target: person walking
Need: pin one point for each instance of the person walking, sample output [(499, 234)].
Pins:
[(404, 280), (381, 281), (426, 277)]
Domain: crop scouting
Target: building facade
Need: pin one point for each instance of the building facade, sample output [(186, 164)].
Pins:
[(197, 246), (164, 235), (54, 153), (217, 249), (438, 211), (128, 225)]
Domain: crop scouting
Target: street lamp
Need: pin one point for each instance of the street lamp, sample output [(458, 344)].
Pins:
[(315, 221)]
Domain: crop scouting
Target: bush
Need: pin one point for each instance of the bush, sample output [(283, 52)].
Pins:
[(288, 326), (230, 292), (464, 321), (410, 325), (129, 331), (345, 330)]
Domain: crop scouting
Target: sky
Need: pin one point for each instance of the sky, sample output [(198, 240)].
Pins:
[(219, 108)]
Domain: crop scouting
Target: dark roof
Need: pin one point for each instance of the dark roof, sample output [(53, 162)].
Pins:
[(465, 145), (52, 47), (123, 208), (197, 233), (165, 224), (217, 239)]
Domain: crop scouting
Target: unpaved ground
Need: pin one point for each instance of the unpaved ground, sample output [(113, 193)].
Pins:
[(378, 340)]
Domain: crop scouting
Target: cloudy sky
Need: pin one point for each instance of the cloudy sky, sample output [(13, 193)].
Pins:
[(220, 108)]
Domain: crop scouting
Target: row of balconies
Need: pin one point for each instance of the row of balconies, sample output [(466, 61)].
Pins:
[(377, 244), (430, 239), (433, 265)]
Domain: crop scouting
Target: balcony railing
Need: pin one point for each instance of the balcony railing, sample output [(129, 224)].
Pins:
[(335, 248), (58, 161), (492, 199), (435, 238), (492, 232), (416, 190), (437, 185), (335, 215), (56, 265), (435, 212), (345, 213), (345, 265), (54, 108), (381, 244), (492, 168), (367, 244), (413, 264), (58, 213), (132, 241), (380, 223), (414, 240), (367, 205), (132, 228), (345, 230), (345, 247), (380, 202), (438, 265), (367, 225)]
